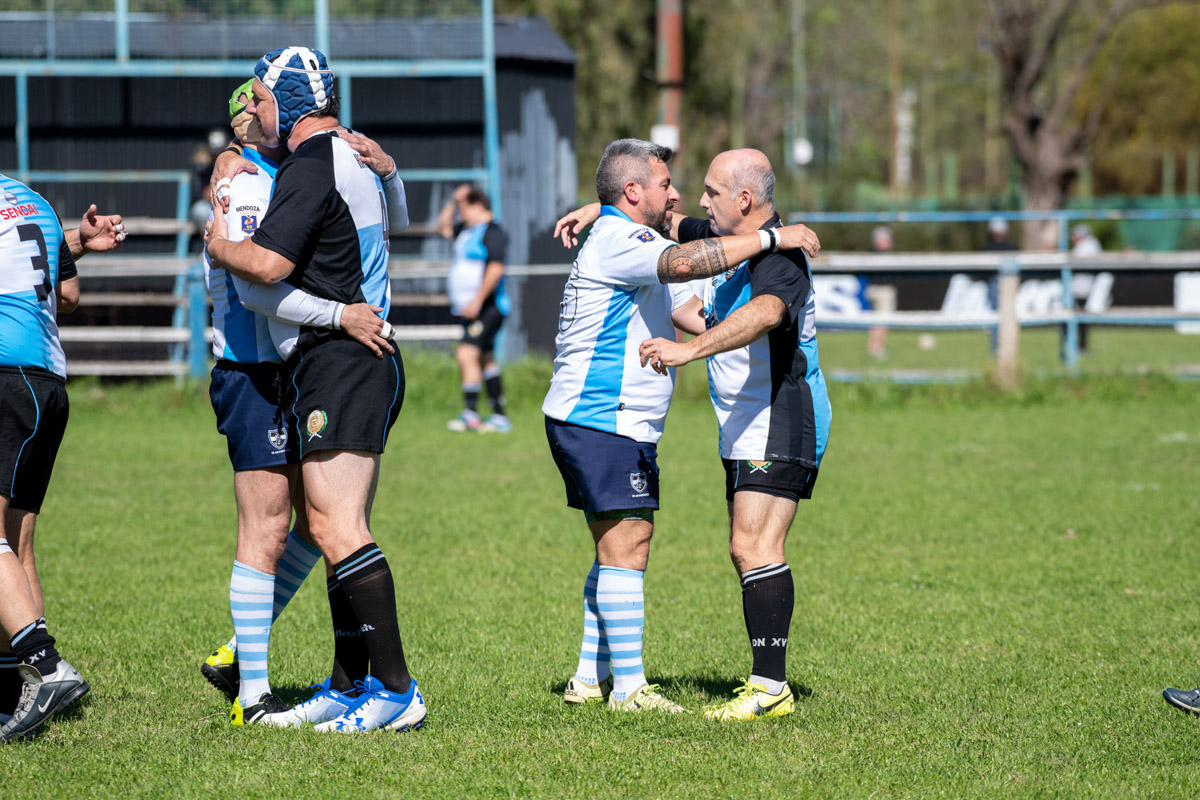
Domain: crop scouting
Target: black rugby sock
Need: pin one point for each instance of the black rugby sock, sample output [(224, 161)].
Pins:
[(495, 391), (349, 647), (768, 597), (470, 396), (34, 645), (367, 581), (10, 684)]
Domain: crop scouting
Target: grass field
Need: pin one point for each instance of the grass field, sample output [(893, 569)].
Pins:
[(992, 591)]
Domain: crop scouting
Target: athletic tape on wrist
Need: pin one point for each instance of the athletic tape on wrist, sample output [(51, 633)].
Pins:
[(764, 240)]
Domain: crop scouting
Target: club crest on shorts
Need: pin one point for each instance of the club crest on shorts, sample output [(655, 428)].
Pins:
[(759, 466), (317, 421), (249, 223), (638, 481), (277, 437), (475, 328)]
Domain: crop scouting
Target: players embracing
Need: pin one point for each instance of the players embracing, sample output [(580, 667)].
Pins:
[(759, 336), (605, 413), (326, 232)]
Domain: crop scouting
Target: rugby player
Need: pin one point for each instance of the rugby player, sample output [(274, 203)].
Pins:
[(37, 278), (604, 413), (326, 232), (772, 410), (478, 300), (246, 392)]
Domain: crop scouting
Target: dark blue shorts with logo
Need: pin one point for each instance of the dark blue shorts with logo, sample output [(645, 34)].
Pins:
[(248, 400), (603, 471)]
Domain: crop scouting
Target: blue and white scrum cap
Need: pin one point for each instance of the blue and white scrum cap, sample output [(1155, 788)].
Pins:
[(301, 82)]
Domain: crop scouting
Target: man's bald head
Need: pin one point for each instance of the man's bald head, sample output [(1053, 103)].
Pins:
[(747, 169), (737, 192)]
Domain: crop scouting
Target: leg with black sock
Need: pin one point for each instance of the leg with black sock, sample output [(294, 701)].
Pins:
[(758, 529), (350, 657), (495, 388), (366, 579), (768, 597)]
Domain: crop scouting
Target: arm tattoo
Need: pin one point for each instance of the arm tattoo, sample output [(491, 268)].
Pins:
[(700, 259)]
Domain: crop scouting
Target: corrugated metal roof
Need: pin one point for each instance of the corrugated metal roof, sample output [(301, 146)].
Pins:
[(152, 36)]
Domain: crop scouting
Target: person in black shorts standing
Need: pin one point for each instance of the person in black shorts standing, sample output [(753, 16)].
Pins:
[(326, 232), (478, 300)]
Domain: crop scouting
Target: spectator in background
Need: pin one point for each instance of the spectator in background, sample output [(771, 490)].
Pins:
[(998, 236), (880, 296), (1083, 243), (478, 301)]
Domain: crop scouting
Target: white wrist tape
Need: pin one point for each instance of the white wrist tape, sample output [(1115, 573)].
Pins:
[(764, 240)]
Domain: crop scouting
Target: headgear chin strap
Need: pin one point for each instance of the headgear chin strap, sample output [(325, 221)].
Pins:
[(300, 81)]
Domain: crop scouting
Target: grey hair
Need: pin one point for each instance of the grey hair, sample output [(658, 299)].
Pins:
[(627, 160), (751, 174)]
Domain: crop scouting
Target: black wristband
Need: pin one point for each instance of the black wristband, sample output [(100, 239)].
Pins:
[(237, 151)]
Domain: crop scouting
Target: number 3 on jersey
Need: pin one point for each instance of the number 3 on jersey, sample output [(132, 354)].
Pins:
[(41, 261)]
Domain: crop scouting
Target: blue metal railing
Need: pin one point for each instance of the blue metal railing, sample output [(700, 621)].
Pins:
[(1064, 218)]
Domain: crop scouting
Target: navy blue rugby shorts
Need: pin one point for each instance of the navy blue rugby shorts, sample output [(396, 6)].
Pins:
[(603, 471), (248, 401)]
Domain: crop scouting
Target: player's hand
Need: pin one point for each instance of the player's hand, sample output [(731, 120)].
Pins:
[(364, 325), (369, 153), (460, 193), (569, 226), (100, 232), (225, 168), (216, 227), (472, 309), (662, 353), (793, 237)]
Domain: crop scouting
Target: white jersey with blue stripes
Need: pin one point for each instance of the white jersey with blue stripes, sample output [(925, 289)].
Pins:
[(239, 334), (612, 302), (32, 250)]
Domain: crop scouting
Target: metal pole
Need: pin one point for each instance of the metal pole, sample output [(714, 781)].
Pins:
[(321, 23), (491, 122), (345, 94), (799, 126), (669, 69), (22, 127), (122, 31), (1008, 332), (197, 321)]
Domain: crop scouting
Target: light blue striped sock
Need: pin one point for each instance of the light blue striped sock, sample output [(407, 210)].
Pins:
[(593, 653), (622, 609), (250, 600), (297, 561)]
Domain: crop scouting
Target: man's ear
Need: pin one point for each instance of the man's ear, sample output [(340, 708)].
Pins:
[(745, 200), (633, 192)]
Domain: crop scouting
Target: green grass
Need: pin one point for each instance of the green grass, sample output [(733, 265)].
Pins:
[(992, 590)]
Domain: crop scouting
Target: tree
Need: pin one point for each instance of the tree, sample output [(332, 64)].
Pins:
[(1050, 137)]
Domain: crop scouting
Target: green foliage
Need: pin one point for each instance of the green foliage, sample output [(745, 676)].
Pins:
[(989, 600)]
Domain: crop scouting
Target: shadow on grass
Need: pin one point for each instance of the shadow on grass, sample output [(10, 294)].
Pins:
[(705, 685)]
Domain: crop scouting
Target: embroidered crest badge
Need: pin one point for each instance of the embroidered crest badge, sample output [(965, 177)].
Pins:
[(317, 421), (638, 481), (249, 223), (277, 437)]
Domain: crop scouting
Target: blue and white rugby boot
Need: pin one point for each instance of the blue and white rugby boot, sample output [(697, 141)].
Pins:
[(381, 709), (327, 704)]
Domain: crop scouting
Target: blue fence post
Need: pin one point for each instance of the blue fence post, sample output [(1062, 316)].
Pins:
[(197, 321), (1070, 338)]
